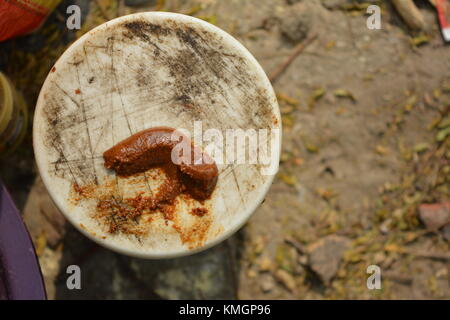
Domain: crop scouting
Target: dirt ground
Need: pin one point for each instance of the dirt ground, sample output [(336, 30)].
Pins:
[(365, 144)]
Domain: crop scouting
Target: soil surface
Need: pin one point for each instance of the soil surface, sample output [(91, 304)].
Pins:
[(365, 145)]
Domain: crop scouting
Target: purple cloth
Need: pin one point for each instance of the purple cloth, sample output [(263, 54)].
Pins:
[(20, 275)]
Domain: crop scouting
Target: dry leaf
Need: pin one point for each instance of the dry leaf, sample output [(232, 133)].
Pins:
[(442, 134), (420, 40), (316, 95), (288, 179), (410, 103), (381, 150), (342, 93), (289, 100), (421, 147), (312, 148)]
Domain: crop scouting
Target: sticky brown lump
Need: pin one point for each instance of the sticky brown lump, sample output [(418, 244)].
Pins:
[(195, 171)]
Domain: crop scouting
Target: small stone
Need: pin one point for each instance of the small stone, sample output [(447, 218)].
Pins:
[(441, 273), (379, 257), (265, 264), (302, 259), (286, 279), (258, 244), (385, 226), (325, 256), (434, 216), (267, 283), (50, 261), (252, 274), (446, 232), (299, 19), (296, 31)]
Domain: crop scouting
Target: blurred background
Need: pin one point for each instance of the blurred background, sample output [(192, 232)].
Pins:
[(364, 175)]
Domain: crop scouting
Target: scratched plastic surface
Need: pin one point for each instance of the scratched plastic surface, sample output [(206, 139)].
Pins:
[(142, 71)]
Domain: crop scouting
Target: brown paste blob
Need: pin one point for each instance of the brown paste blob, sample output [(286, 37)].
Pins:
[(194, 172)]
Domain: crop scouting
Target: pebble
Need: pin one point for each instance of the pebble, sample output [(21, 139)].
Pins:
[(267, 283), (434, 216), (325, 256), (446, 232), (265, 264), (252, 274), (300, 19)]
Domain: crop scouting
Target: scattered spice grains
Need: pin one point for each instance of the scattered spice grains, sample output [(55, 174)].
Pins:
[(199, 212), (126, 215), (142, 153)]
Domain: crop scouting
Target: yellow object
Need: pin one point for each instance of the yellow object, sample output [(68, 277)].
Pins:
[(48, 4), (13, 117)]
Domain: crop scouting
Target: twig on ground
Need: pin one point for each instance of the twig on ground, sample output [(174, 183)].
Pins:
[(283, 66), (410, 14), (294, 243)]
